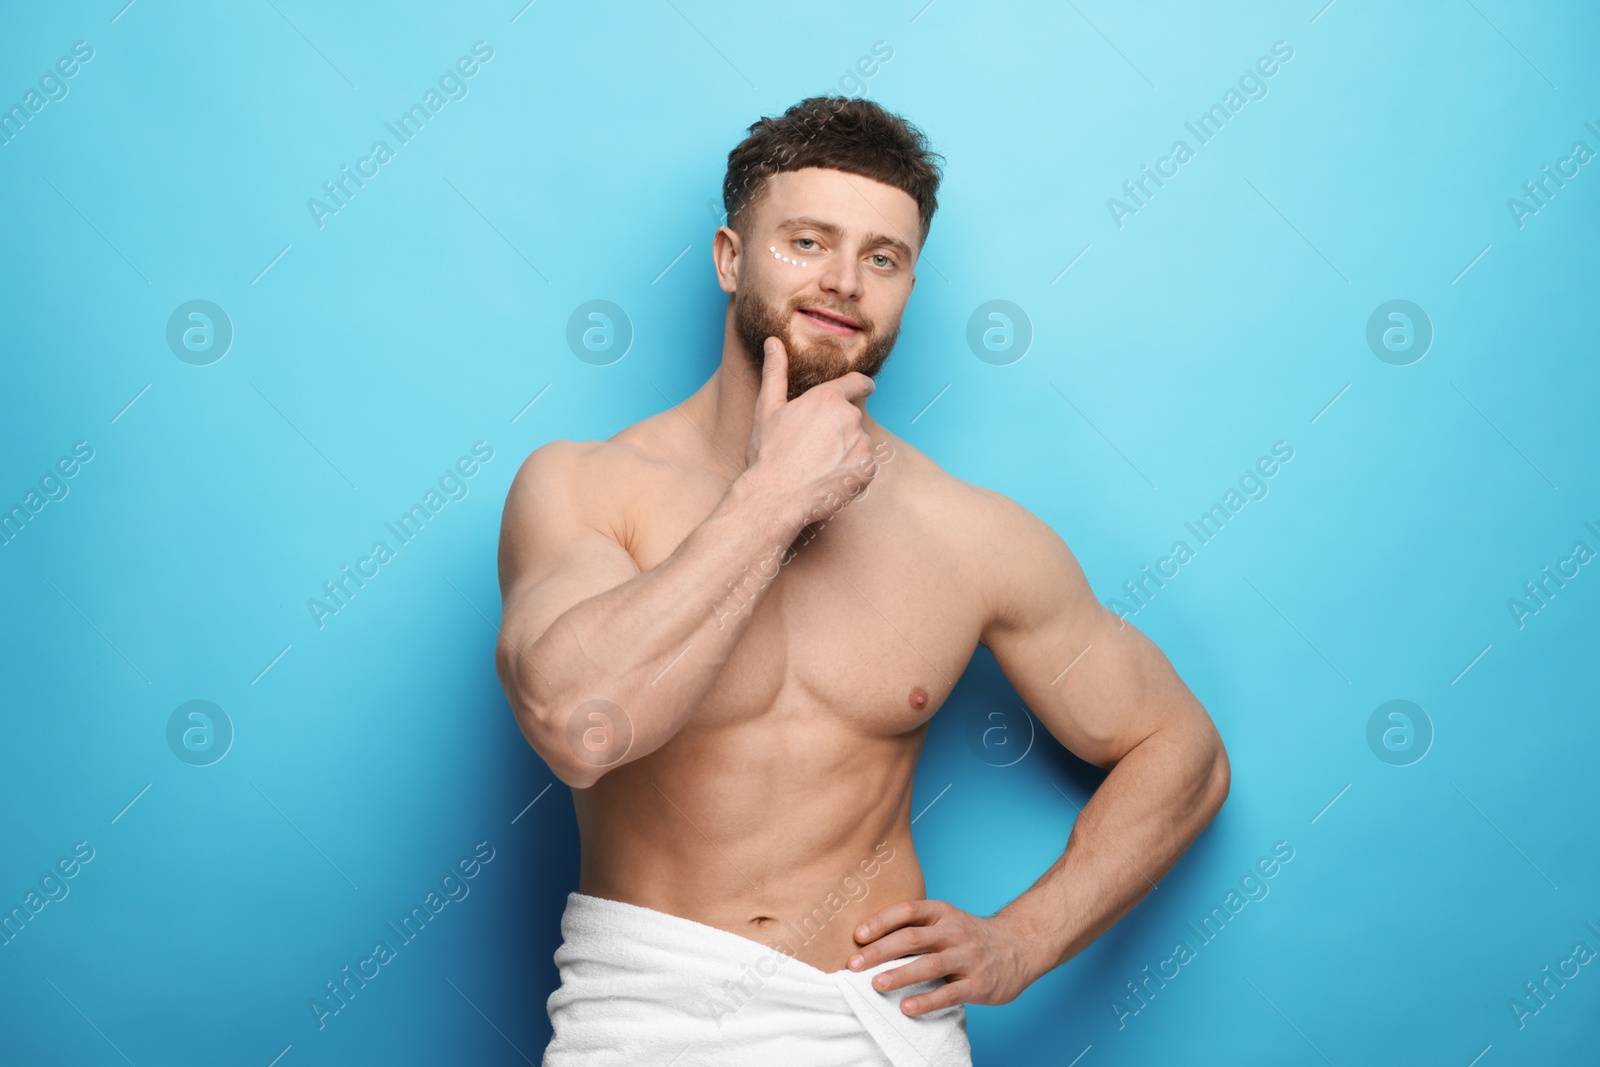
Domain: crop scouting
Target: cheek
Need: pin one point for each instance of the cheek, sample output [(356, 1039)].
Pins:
[(781, 258)]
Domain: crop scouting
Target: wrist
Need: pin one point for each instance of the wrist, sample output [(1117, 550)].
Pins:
[(776, 513), (1036, 949)]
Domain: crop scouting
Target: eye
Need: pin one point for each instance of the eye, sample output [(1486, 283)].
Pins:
[(887, 262), (811, 240)]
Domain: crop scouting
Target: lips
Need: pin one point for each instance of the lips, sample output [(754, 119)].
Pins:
[(830, 319)]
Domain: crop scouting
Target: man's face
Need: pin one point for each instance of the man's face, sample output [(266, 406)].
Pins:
[(846, 249)]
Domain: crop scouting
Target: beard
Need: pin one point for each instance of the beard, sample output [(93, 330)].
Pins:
[(822, 359)]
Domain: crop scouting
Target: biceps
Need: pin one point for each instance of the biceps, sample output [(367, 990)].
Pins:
[(548, 580), (1096, 683)]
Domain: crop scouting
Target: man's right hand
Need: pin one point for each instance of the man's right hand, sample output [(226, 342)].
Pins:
[(812, 447)]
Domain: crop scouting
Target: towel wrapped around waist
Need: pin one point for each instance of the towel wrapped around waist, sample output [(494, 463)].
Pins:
[(640, 986)]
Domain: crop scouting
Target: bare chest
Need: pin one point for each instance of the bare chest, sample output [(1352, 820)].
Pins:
[(867, 620)]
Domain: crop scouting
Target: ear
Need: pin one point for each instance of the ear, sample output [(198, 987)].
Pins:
[(726, 248)]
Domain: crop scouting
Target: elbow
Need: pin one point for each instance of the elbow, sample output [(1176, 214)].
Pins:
[(551, 743), (560, 746), (573, 773), (533, 706), (1221, 778), (580, 740)]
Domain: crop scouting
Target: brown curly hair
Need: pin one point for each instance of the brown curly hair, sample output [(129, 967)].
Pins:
[(845, 133)]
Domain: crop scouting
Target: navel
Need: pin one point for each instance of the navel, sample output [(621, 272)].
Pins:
[(919, 697)]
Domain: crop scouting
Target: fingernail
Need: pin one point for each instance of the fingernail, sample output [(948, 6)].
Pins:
[(861, 931), (855, 963)]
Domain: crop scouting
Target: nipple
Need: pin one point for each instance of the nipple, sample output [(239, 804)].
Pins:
[(919, 697)]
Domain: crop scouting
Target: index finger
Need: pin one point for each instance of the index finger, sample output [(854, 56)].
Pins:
[(903, 913), (855, 385)]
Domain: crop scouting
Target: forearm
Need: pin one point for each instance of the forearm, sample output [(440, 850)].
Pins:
[(650, 646), (1149, 809)]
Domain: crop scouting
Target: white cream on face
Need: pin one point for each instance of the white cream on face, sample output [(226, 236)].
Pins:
[(779, 255)]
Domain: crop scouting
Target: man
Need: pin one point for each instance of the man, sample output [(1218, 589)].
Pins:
[(728, 626)]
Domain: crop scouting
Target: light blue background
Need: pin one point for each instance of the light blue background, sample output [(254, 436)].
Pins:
[(1229, 313)]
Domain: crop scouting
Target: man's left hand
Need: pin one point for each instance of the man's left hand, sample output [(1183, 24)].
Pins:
[(986, 961)]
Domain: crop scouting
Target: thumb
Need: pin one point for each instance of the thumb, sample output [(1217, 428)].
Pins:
[(774, 377)]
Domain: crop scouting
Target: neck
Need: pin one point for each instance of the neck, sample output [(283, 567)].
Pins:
[(723, 409)]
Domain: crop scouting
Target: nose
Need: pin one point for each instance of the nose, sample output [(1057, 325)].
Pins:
[(841, 276)]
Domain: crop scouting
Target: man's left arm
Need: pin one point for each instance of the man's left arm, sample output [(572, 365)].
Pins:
[(1109, 695)]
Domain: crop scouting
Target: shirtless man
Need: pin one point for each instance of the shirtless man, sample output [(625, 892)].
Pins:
[(728, 626)]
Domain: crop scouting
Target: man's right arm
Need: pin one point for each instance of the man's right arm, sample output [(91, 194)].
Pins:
[(603, 663), (582, 623)]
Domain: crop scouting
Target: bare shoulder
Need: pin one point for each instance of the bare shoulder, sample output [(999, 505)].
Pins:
[(592, 471), (569, 487), (564, 473), (1020, 567)]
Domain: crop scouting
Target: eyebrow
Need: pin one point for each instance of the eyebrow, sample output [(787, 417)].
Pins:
[(807, 222)]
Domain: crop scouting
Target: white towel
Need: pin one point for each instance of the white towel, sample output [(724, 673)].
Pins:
[(640, 986)]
